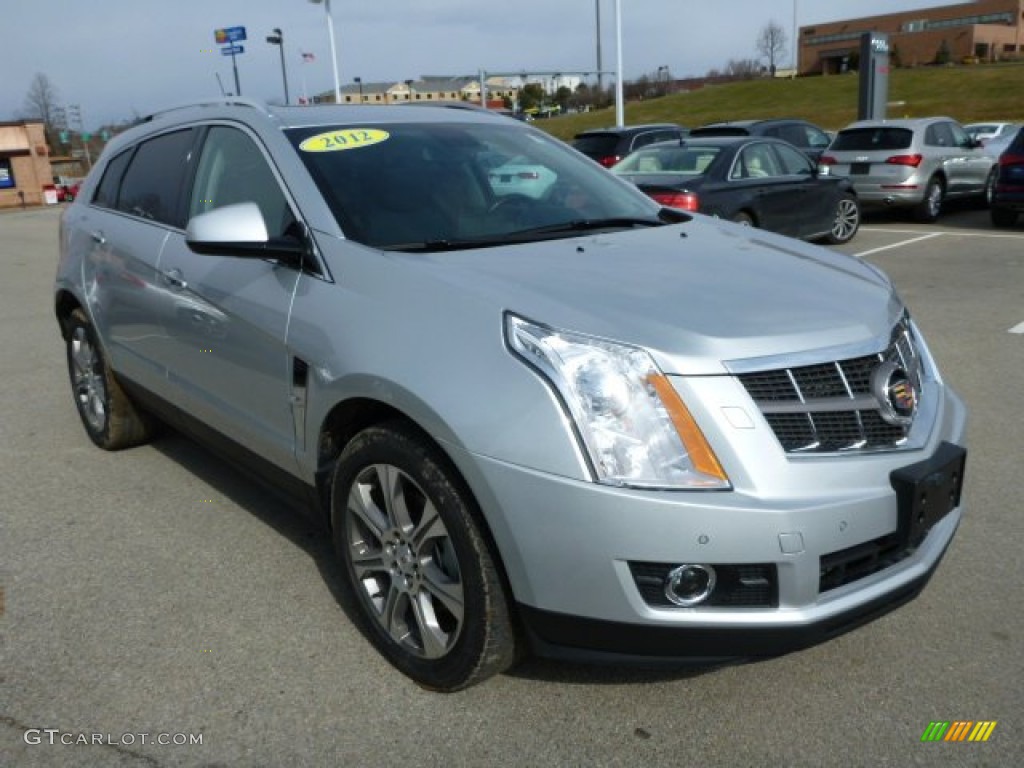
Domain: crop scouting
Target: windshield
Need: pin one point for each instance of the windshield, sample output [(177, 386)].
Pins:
[(685, 160), (426, 185)]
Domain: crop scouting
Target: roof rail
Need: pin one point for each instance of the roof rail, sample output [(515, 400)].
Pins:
[(223, 101)]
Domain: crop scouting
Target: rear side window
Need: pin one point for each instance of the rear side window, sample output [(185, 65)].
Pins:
[(153, 182), (939, 135), (596, 144), (793, 163), (652, 137), (106, 192), (800, 135), (868, 139)]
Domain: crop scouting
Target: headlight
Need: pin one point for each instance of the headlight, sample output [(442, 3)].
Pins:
[(634, 427)]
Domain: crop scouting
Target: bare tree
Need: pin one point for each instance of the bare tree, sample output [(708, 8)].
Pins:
[(743, 69), (771, 43), (41, 102)]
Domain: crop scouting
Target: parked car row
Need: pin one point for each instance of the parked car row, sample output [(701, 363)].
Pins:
[(916, 164)]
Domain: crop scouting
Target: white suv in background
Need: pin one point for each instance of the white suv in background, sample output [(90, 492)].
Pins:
[(915, 164)]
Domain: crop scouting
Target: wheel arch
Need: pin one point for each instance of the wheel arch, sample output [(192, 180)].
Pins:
[(349, 417), (64, 303)]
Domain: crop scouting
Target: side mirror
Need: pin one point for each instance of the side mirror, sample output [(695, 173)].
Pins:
[(239, 230)]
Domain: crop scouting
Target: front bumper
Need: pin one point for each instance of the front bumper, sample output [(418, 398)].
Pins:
[(574, 638), (568, 547)]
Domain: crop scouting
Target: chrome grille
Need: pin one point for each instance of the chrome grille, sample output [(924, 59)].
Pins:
[(830, 407)]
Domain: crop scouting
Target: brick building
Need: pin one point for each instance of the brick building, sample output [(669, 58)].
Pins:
[(989, 30), (24, 163)]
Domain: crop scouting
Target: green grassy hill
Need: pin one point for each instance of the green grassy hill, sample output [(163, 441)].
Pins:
[(966, 93)]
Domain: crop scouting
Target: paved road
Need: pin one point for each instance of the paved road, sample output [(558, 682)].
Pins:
[(156, 592)]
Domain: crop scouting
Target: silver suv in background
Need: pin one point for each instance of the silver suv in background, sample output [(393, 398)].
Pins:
[(571, 420), (916, 164)]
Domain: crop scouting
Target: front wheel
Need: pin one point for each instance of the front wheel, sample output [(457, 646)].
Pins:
[(417, 561), (846, 221)]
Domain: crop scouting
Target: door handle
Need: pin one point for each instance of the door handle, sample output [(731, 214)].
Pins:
[(175, 279), (98, 237)]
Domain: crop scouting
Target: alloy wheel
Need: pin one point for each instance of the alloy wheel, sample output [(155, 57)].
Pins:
[(89, 387), (847, 220), (404, 561)]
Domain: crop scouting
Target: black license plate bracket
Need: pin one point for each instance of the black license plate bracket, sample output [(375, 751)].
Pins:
[(928, 491)]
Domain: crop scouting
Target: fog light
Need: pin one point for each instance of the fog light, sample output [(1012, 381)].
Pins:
[(687, 585)]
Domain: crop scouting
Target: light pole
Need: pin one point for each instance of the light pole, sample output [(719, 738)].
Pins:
[(278, 39), (359, 81), (620, 116), (334, 50), (796, 43), (663, 78), (74, 113)]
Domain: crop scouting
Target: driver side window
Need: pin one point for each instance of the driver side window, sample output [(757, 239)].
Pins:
[(232, 170)]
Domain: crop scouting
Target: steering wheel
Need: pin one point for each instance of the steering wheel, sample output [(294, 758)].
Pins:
[(515, 202)]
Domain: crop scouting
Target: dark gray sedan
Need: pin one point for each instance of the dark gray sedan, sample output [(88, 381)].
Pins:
[(755, 181)]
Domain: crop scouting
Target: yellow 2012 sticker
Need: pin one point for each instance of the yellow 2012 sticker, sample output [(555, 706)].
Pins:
[(349, 138)]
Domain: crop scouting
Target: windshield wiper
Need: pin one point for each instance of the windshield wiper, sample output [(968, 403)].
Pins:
[(586, 225), (524, 235)]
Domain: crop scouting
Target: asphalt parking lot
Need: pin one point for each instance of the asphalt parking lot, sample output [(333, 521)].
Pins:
[(157, 592)]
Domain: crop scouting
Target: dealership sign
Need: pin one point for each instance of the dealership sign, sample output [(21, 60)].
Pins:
[(229, 35)]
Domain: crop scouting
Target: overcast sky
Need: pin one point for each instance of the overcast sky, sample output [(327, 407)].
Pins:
[(122, 58)]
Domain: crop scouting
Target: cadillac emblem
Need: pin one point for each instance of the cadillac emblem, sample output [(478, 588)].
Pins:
[(896, 392)]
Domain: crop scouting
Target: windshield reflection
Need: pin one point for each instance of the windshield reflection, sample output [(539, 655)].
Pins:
[(432, 186)]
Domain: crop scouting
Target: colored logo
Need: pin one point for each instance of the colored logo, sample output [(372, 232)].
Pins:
[(896, 393), (958, 730)]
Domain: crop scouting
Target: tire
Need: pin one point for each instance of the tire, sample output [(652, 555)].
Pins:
[(846, 221), (744, 219), (930, 207), (424, 582), (1003, 217), (110, 418), (990, 187)]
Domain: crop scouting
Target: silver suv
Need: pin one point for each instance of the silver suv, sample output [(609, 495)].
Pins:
[(563, 419), (916, 164)]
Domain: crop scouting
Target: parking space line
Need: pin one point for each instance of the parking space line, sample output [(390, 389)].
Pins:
[(1018, 328), (912, 240), (956, 233)]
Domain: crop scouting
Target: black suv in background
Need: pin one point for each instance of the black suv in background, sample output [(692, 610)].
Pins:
[(609, 145), (803, 135), (1008, 192)]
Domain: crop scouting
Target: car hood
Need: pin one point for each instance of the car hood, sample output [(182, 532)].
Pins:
[(697, 295)]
